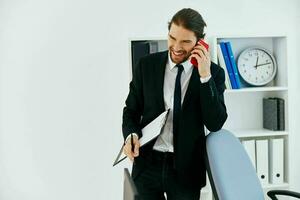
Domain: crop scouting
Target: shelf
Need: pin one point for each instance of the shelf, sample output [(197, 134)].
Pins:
[(276, 186), (256, 89), (257, 133)]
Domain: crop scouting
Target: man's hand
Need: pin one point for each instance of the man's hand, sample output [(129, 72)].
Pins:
[(127, 149), (203, 59)]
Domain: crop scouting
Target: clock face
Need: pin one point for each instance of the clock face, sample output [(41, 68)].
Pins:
[(257, 66)]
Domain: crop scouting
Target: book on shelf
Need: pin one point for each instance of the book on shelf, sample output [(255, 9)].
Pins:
[(228, 66), (280, 107), (273, 114), (249, 146), (233, 64), (227, 60), (276, 156), (223, 65), (262, 161)]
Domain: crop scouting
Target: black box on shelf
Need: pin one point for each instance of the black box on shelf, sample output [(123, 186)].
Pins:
[(140, 49), (273, 114), (280, 106)]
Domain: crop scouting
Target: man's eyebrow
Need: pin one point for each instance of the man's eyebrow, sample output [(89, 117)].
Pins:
[(182, 40), (172, 37)]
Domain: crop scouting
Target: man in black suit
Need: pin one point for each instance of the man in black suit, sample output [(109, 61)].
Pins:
[(173, 164)]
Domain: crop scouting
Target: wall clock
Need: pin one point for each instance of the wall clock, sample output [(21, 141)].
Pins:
[(257, 66)]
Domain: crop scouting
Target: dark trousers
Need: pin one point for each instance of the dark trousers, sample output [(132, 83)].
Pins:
[(159, 177)]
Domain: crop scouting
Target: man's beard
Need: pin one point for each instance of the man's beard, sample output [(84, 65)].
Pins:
[(185, 56)]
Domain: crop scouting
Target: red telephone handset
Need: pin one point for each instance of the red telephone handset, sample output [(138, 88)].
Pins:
[(201, 42)]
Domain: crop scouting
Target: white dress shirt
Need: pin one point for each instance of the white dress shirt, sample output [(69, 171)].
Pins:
[(164, 141)]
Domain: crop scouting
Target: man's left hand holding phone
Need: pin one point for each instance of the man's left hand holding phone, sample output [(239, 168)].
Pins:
[(131, 147), (200, 58)]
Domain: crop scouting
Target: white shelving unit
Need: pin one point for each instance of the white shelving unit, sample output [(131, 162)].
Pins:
[(244, 106)]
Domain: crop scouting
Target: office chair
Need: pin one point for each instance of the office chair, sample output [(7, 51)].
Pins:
[(230, 171), (129, 188)]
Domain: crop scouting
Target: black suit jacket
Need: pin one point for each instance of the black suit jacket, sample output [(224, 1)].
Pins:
[(203, 105)]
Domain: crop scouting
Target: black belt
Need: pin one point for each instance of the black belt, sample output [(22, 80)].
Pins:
[(159, 156)]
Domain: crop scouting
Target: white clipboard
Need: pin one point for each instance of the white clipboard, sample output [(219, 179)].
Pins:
[(150, 132)]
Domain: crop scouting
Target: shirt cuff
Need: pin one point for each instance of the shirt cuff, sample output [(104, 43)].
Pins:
[(128, 137), (205, 80)]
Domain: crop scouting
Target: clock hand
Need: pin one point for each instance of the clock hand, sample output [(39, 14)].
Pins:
[(256, 62), (263, 64)]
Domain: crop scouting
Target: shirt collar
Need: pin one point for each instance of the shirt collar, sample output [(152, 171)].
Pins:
[(187, 65)]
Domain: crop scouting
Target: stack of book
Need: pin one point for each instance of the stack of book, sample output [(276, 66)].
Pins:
[(273, 114), (227, 62)]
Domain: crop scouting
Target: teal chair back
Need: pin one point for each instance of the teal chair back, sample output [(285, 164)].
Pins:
[(231, 173)]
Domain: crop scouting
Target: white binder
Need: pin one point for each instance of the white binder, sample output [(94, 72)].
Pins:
[(262, 164), (249, 145), (276, 154)]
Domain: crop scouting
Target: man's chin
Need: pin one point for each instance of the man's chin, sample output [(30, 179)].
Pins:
[(178, 60)]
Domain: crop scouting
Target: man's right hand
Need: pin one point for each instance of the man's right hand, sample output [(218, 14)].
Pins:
[(127, 148)]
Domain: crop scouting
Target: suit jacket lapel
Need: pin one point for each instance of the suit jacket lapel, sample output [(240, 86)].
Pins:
[(160, 73)]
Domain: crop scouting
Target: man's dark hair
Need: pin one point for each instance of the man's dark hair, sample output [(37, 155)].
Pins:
[(189, 19)]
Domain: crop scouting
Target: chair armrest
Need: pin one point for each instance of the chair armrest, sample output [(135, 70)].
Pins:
[(272, 194)]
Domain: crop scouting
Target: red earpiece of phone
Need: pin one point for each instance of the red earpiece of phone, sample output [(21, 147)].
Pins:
[(193, 60)]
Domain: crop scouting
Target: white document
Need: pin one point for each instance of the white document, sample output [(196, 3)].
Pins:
[(249, 145), (262, 161), (150, 132), (276, 154)]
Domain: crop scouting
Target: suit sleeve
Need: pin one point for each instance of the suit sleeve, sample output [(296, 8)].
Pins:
[(212, 103), (132, 111)]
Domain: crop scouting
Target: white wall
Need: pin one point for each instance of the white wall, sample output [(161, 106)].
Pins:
[(64, 79)]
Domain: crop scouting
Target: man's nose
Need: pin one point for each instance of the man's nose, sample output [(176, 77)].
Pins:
[(177, 46)]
